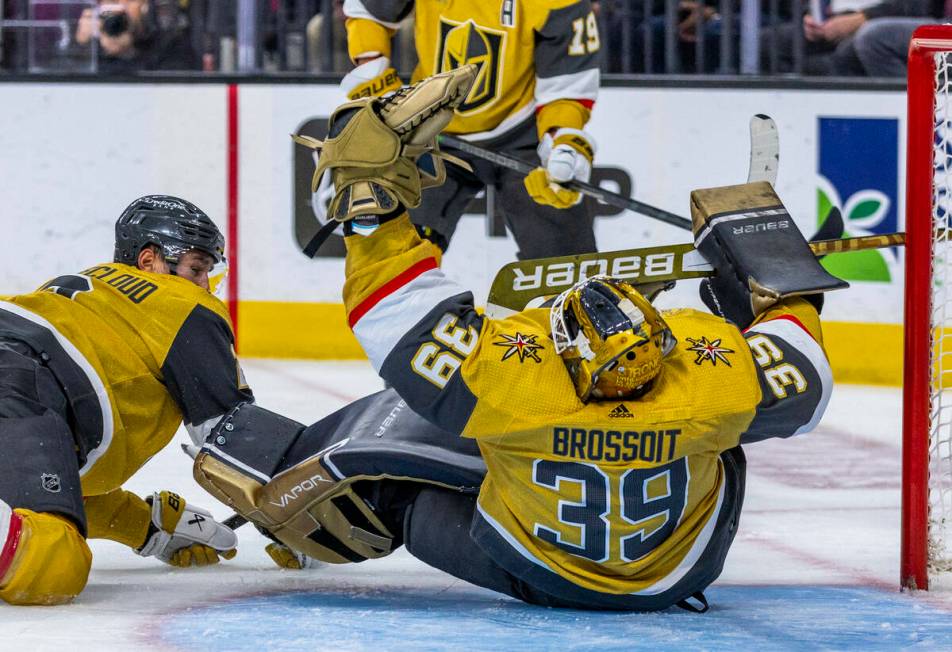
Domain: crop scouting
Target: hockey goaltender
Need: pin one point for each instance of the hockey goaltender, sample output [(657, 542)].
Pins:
[(583, 454)]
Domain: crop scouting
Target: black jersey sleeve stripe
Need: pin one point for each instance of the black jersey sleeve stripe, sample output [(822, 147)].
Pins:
[(795, 380), (424, 364), (200, 369), (568, 45), (386, 12)]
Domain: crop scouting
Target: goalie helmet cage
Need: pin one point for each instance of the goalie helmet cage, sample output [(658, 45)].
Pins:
[(927, 371)]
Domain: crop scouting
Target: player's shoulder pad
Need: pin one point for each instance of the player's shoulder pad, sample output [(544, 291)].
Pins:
[(388, 12), (554, 13), (181, 291)]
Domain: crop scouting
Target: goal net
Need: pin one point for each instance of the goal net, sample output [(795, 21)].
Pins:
[(927, 381)]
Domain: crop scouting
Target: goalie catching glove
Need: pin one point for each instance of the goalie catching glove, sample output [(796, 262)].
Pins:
[(183, 535), (758, 252), (374, 145), (566, 155)]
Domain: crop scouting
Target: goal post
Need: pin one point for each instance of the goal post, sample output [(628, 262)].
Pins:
[(927, 377)]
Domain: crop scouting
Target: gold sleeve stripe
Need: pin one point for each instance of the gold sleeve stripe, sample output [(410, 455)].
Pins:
[(367, 38), (562, 113), (798, 310)]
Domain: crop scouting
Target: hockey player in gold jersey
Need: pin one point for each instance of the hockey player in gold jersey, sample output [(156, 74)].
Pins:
[(537, 81), (610, 431), (98, 369)]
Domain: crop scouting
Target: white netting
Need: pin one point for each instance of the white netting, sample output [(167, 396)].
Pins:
[(940, 445)]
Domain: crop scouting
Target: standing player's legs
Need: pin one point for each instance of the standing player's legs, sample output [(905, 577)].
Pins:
[(540, 231), (44, 558), (442, 207)]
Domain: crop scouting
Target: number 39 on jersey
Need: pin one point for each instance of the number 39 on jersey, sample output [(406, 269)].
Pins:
[(438, 359)]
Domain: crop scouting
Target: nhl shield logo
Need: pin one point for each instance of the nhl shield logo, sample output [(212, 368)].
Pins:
[(50, 482)]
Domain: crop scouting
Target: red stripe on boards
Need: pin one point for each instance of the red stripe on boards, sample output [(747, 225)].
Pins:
[(10, 545), (388, 288), (231, 245)]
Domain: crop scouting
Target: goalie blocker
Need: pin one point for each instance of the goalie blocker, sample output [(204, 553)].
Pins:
[(758, 252)]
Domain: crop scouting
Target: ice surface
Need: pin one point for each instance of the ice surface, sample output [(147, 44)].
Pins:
[(815, 565)]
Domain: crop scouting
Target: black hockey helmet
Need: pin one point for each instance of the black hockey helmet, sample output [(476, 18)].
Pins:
[(172, 224)]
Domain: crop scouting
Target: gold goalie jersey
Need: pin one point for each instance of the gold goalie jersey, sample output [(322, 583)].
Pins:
[(135, 352), (534, 56), (618, 497)]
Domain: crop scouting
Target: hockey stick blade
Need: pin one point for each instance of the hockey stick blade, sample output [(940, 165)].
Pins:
[(831, 228), (764, 150), (234, 521), (600, 194), (528, 283)]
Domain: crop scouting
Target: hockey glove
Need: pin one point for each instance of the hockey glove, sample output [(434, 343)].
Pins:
[(373, 146), (374, 78), (566, 155), (286, 558), (183, 535), (755, 247)]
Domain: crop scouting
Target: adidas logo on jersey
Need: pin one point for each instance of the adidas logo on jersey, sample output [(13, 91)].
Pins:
[(621, 412)]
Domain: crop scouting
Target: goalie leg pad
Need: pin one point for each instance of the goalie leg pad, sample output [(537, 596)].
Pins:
[(241, 454), (758, 252), (305, 506)]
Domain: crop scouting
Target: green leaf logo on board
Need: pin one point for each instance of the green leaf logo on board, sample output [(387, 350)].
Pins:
[(858, 173), (862, 212)]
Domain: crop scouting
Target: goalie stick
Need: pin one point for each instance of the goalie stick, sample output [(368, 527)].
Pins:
[(528, 282), (764, 150)]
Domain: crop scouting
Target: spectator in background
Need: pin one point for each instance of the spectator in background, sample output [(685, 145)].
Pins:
[(690, 15), (882, 39), (828, 47), (139, 35)]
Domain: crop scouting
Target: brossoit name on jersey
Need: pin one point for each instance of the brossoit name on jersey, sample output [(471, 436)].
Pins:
[(615, 445)]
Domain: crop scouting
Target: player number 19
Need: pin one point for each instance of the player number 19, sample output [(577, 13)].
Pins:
[(584, 36)]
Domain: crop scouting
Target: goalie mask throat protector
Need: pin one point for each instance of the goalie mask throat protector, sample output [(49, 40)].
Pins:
[(610, 336)]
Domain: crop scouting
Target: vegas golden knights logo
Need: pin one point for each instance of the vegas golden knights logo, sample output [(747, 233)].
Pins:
[(462, 43)]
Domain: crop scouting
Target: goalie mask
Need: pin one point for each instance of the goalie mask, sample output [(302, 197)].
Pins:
[(610, 336)]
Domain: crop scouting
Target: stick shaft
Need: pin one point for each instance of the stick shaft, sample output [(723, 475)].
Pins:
[(824, 247), (602, 195)]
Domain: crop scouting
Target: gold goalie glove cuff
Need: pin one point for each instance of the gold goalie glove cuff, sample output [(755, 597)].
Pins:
[(374, 145), (184, 535)]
